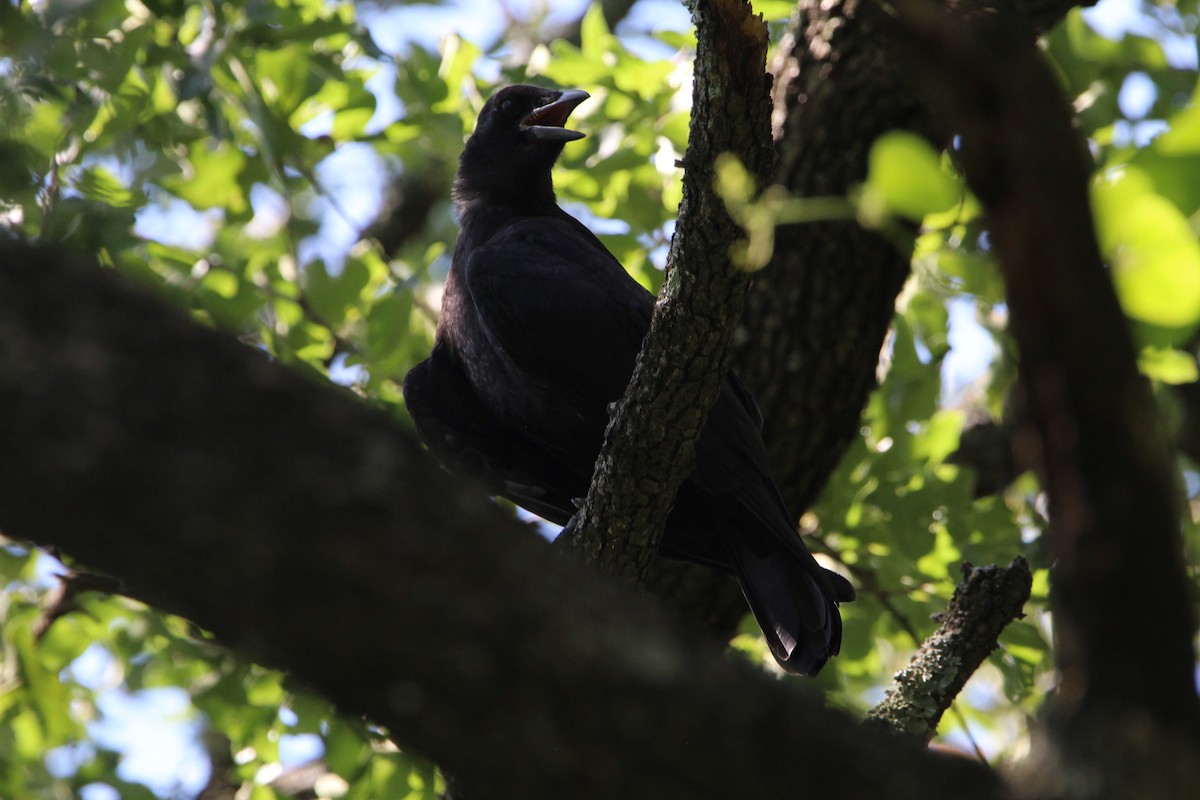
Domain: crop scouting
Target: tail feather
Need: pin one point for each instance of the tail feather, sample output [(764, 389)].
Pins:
[(798, 617)]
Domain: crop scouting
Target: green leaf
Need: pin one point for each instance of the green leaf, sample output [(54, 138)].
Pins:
[(16, 176), (1183, 135), (332, 296), (352, 123), (212, 180), (347, 749), (640, 77), (945, 554), (940, 437), (594, 36), (27, 734), (97, 183), (89, 225), (774, 9), (284, 77), (1175, 176), (905, 177), (265, 689), (1153, 251), (458, 59), (65, 640), (44, 128), (259, 791), (1168, 365)]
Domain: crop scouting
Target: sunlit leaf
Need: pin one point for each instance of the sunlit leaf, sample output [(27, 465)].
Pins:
[(1154, 252), (284, 76), (593, 33), (1168, 366), (213, 178), (98, 183), (905, 177)]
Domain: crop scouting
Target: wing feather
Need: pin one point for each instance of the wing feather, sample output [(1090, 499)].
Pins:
[(559, 309)]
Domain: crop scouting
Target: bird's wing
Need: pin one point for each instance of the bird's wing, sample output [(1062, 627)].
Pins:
[(467, 439), (563, 311), (738, 391)]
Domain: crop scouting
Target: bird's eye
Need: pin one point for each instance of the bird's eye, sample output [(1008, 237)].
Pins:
[(509, 107)]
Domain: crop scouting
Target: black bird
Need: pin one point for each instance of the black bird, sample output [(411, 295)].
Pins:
[(539, 331)]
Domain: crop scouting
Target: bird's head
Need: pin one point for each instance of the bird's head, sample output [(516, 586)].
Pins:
[(516, 141)]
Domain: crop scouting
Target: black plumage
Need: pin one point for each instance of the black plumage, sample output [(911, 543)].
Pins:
[(539, 331)]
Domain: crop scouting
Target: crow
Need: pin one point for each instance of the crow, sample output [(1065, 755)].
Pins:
[(538, 334)]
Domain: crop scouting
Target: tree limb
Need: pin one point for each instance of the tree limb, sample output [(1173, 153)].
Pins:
[(309, 532), (650, 441), (1121, 602), (982, 606), (817, 316)]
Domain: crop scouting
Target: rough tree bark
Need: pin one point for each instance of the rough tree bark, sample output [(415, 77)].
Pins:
[(310, 533), (816, 317), (649, 446), (987, 600)]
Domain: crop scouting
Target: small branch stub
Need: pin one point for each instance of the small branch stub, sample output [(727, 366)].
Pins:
[(982, 606)]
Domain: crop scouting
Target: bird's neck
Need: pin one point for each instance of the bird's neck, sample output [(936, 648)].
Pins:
[(477, 220), (523, 198)]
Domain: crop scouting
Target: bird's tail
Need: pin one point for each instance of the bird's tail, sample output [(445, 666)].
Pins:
[(796, 609)]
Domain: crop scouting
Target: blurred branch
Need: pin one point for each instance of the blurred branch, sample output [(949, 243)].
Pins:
[(986, 449), (983, 604), (407, 208), (300, 781), (64, 598), (222, 783), (1126, 708), (1187, 396), (816, 317), (869, 584)]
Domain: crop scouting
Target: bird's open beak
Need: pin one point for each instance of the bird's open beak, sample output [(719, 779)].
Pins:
[(546, 123)]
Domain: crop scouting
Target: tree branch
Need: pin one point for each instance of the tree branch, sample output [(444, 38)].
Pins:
[(818, 313), (982, 606), (1107, 469), (306, 530), (816, 317), (650, 442)]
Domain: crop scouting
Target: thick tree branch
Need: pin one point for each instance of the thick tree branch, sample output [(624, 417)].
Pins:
[(983, 604), (1123, 616), (650, 442), (815, 319), (818, 313), (817, 316), (306, 530)]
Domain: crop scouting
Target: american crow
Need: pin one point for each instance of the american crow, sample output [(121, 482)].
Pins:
[(539, 331)]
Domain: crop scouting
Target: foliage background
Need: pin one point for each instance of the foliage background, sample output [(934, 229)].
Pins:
[(282, 170)]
